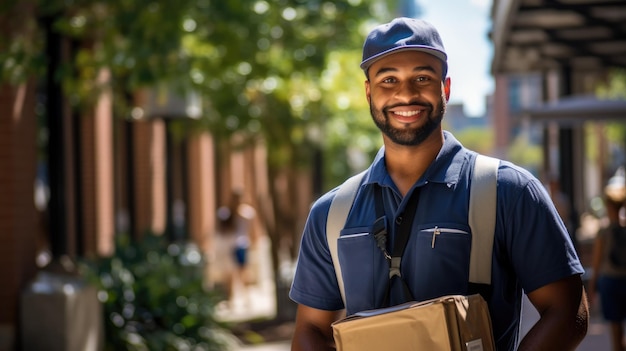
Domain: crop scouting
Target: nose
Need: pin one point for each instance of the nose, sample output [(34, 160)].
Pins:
[(406, 91)]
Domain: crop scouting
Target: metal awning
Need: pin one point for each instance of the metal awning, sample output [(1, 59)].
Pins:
[(532, 35), (579, 109)]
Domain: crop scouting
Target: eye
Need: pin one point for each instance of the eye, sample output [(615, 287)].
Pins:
[(388, 80)]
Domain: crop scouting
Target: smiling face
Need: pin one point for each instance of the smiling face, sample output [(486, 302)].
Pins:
[(407, 96)]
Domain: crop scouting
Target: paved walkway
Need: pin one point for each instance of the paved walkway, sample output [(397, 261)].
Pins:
[(276, 346), (254, 301)]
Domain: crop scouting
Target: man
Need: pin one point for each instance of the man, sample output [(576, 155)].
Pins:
[(407, 88)]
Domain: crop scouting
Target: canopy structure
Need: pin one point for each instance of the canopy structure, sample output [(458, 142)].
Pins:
[(572, 45), (574, 110), (543, 34)]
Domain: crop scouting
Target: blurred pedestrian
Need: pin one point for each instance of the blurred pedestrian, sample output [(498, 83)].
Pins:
[(232, 244), (608, 282)]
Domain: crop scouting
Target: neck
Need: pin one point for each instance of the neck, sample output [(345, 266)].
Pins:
[(406, 164)]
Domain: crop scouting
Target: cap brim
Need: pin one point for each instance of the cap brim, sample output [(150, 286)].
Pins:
[(438, 54)]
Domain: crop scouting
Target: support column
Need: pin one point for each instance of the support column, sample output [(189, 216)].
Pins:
[(201, 187), (150, 176), (97, 175)]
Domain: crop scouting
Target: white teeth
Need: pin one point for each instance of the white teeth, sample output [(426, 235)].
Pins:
[(407, 113)]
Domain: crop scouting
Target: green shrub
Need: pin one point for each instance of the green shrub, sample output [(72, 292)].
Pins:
[(153, 297)]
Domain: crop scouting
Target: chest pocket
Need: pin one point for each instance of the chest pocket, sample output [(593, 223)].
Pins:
[(436, 260), (363, 267)]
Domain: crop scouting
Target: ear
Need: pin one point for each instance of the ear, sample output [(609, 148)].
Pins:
[(367, 91), (446, 88)]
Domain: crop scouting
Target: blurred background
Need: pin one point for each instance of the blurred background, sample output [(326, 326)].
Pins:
[(128, 128)]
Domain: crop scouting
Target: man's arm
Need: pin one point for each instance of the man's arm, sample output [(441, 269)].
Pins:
[(313, 331), (564, 313)]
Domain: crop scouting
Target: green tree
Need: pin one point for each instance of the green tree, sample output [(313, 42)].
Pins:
[(615, 87), (479, 139), (351, 138), (605, 138), (268, 70), (524, 153)]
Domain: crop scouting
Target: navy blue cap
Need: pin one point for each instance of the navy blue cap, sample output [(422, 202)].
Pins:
[(403, 34)]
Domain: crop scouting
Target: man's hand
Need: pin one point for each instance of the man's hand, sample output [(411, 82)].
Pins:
[(313, 331), (564, 313)]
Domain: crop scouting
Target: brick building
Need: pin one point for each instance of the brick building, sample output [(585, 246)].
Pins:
[(105, 175)]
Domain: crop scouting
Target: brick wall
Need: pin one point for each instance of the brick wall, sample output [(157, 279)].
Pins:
[(19, 220)]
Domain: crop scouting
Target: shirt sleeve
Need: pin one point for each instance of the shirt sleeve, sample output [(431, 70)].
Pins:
[(539, 245)]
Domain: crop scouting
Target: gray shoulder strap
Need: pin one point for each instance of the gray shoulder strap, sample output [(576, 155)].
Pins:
[(337, 215), (482, 217)]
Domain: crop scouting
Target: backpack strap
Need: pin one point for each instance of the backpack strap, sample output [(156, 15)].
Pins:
[(482, 217), (337, 215), (482, 222)]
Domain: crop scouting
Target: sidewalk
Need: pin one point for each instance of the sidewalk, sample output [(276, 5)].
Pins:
[(598, 338), (256, 301), (276, 346)]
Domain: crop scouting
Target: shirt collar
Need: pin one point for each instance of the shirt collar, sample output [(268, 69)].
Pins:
[(445, 169)]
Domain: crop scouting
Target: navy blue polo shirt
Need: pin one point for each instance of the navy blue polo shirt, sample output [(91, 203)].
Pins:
[(532, 247)]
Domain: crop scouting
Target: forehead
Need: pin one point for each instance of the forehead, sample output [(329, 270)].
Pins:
[(406, 60)]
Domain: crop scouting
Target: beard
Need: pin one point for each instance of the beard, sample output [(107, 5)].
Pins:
[(409, 136)]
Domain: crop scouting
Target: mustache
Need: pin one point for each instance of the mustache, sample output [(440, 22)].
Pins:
[(411, 103)]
